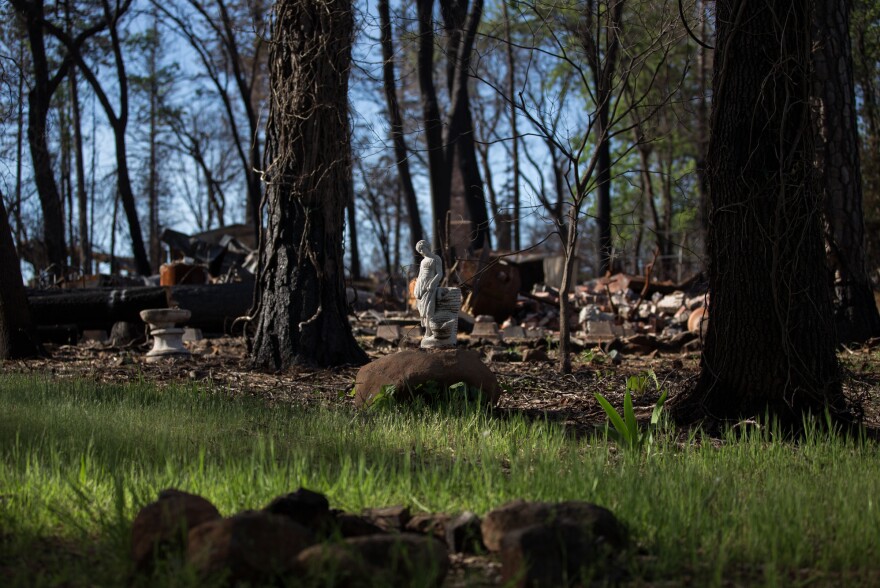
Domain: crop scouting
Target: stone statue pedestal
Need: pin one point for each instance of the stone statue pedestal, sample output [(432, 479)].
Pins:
[(444, 321), (167, 337)]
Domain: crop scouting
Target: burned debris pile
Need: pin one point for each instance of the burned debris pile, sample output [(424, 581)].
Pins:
[(509, 301), (515, 302)]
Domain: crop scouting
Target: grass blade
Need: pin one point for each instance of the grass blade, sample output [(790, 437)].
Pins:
[(658, 408), (630, 416)]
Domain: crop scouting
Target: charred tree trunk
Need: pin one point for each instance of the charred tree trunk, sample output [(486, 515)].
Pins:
[(19, 146), (433, 125), (416, 232), (126, 196), (462, 165), (246, 91), (865, 72), (514, 132), (702, 139), (302, 309), (839, 172), (469, 166), (16, 329), (39, 102), (153, 164), (351, 216), (65, 172), (602, 60), (82, 199), (118, 123), (648, 192), (770, 343), (603, 187), (214, 307)]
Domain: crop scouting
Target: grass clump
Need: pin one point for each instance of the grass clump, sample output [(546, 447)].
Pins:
[(78, 459)]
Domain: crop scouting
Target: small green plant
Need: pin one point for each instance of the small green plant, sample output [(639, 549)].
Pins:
[(590, 356), (431, 392), (384, 398), (626, 431), (638, 384)]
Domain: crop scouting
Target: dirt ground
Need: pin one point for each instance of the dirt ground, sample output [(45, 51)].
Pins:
[(534, 388)]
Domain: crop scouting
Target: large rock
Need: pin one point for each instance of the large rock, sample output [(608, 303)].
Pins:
[(599, 521), (404, 560), (348, 525), (548, 555), (309, 509), (334, 565), (389, 518), (433, 524), (464, 535), (126, 334), (252, 546), (164, 524), (407, 369), (535, 355)]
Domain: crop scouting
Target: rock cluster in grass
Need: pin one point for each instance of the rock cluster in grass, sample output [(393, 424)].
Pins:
[(298, 537)]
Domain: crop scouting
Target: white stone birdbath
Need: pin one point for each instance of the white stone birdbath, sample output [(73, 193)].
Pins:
[(167, 336)]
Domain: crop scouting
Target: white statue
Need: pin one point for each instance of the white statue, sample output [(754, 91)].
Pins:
[(438, 307), (430, 274)]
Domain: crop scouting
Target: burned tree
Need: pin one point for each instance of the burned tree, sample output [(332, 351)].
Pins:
[(300, 294), (44, 83), (449, 140), (401, 154), (770, 343), (839, 169), (587, 46), (16, 337)]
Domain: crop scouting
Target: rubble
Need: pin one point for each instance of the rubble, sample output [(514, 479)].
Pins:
[(510, 300), (220, 253), (486, 328), (622, 314)]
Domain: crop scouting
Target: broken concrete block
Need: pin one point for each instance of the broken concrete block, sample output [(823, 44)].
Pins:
[(390, 333), (670, 303), (484, 329), (600, 329), (98, 335), (191, 334), (592, 312), (536, 333), (695, 302), (413, 332), (513, 332)]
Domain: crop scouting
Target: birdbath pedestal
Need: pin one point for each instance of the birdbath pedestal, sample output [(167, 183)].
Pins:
[(167, 336)]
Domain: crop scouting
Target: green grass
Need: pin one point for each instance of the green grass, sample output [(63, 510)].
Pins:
[(78, 459)]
